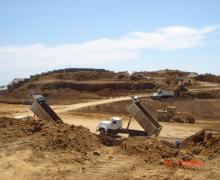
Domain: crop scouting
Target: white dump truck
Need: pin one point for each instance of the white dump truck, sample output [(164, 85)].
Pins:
[(110, 127), (163, 94), (140, 113)]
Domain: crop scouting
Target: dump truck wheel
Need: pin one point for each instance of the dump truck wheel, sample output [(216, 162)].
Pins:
[(102, 131), (112, 132)]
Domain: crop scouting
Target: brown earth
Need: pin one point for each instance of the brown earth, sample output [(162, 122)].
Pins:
[(208, 78), (154, 150), (44, 150), (201, 145), (81, 86), (199, 108), (37, 149), (78, 86), (44, 135), (202, 94), (150, 149)]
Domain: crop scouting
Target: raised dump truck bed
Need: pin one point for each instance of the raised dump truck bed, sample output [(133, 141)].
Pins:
[(42, 110), (146, 120)]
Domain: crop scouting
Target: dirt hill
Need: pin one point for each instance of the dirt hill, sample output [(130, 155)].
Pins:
[(72, 87)]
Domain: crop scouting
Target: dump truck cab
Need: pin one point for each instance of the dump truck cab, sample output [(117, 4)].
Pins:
[(109, 127)]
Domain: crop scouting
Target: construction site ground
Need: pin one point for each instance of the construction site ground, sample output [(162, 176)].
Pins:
[(38, 149), (19, 160)]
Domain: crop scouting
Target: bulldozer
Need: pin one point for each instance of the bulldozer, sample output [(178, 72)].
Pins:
[(170, 114)]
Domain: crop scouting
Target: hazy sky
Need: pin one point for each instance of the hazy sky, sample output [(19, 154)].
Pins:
[(133, 35)]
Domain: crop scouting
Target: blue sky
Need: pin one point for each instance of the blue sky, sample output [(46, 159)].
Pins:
[(133, 35)]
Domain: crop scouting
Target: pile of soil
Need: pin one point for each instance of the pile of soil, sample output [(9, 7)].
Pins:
[(110, 141), (94, 86), (149, 148), (81, 76), (48, 136), (210, 94), (208, 78), (58, 87), (152, 150), (206, 95), (204, 143)]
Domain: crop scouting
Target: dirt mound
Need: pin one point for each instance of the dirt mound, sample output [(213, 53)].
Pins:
[(154, 151), (78, 76), (162, 73), (93, 87), (70, 87), (110, 141), (214, 94), (208, 78), (204, 143), (150, 148), (45, 135), (209, 94)]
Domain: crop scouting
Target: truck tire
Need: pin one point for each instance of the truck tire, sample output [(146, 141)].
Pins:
[(155, 98), (112, 132), (102, 131)]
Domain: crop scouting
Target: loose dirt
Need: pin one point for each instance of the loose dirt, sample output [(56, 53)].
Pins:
[(149, 148), (44, 135), (37, 149)]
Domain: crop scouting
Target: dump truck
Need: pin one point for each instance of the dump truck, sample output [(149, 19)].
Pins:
[(170, 114), (42, 110), (163, 94), (140, 113)]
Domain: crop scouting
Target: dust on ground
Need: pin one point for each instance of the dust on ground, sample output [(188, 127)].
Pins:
[(38, 149)]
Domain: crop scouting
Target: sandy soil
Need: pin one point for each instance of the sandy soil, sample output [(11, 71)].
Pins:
[(106, 162)]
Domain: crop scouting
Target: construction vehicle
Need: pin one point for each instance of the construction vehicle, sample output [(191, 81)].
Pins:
[(163, 94), (141, 114), (42, 110), (110, 127), (170, 114), (181, 87)]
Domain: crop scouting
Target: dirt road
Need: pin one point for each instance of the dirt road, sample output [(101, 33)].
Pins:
[(21, 110), (66, 108)]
